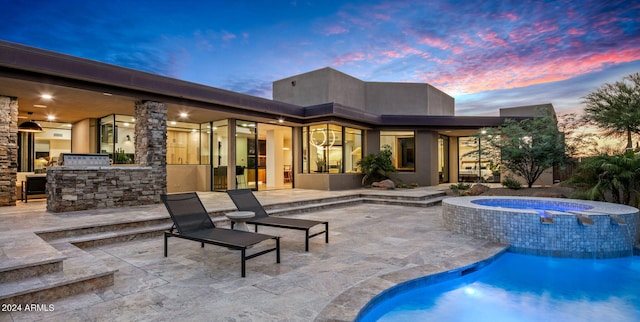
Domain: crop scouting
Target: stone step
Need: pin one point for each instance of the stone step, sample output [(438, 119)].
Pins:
[(77, 231), (373, 194), (28, 258), (122, 234), (434, 201), (80, 274)]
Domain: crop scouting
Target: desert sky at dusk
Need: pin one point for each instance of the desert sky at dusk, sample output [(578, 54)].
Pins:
[(486, 54)]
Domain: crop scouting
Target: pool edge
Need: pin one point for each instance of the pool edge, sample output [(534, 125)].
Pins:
[(348, 305)]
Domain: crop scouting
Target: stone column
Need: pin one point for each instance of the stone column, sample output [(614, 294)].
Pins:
[(151, 143), (8, 150)]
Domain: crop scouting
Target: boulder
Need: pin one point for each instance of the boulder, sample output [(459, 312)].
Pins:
[(384, 184), (478, 189)]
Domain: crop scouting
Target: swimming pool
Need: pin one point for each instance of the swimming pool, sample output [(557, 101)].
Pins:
[(519, 287), (546, 226)]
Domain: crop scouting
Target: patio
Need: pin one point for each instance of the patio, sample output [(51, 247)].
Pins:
[(374, 244)]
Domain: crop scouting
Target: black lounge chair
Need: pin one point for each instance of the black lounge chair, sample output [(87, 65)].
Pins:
[(192, 222), (246, 201)]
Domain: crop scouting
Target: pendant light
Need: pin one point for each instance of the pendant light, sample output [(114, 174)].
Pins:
[(29, 126)]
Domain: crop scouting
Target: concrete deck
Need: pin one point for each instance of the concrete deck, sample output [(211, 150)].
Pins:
[(372, 247)]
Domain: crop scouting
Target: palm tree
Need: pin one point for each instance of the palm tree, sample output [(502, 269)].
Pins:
[(607, 177)]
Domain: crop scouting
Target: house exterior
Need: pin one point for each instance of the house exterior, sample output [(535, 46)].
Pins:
[(167, 135)]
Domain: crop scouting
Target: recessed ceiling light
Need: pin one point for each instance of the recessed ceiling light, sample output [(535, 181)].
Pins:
[(173, 122), (183, 115), (51, 117), (46, 96), (126, 124), (39, 105)]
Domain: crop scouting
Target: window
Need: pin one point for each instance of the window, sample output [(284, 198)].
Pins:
[(37, 151), (220, 157), (478, 161), (402, 145), (183, 143), (443, 159), (352, 149), (329, 148), (117, 138)]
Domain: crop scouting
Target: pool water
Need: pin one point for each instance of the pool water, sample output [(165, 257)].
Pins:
[(532, 204), (520, 287)]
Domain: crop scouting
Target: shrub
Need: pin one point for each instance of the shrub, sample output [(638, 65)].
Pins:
[(377, 167), (460, 188), (511, 182)]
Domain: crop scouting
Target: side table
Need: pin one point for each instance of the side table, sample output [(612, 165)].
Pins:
[(239, 219)]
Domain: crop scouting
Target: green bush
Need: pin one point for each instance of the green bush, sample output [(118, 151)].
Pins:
[(377, 167), (511, 183), (460, 188)]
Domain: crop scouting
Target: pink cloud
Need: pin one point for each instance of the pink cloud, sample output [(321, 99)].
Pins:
[(493, 38), (544, 26), (512, 71), (511, 16), (434, 42), (392, 54), (576, 32), (349, 58)]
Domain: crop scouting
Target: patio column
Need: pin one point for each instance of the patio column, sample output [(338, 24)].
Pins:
[(151, 142), (8, 150)]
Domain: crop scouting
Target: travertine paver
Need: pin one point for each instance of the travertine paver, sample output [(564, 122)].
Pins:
[(198, 284)]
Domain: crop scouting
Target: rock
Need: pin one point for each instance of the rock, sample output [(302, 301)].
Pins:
[(478, 189), (384, 184)]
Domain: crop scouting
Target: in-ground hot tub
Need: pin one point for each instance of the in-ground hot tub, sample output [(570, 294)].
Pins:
[(546, 226)]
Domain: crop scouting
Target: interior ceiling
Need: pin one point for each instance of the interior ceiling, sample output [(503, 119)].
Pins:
[(70, 105)]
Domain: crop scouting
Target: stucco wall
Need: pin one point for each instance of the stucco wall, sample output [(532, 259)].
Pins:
[(321, 86)]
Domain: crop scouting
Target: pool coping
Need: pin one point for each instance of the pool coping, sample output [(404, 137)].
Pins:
[(348, 305), (598, 207)]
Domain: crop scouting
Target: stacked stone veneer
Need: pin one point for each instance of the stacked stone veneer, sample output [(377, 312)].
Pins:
[(82, 188), (71, 188), (8, 150), (523, 230)]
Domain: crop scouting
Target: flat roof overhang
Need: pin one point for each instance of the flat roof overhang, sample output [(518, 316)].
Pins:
[(88, 85), (36, 66)]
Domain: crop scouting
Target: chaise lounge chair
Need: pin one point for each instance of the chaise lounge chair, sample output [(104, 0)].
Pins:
[(192, 222), (246, 201)]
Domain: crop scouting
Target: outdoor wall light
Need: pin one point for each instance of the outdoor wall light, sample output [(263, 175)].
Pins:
[(30, 126)]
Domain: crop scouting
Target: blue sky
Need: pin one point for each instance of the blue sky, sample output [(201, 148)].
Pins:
[(486, 54)]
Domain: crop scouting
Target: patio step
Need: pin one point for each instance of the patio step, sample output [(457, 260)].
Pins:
[(347, 200), (80, 274), (430, 202), (28, 258)]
